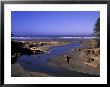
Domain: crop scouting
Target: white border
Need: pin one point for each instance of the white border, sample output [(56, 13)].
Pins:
[(55, 7)]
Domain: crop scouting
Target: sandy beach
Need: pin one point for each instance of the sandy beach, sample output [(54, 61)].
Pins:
[(77, 63)]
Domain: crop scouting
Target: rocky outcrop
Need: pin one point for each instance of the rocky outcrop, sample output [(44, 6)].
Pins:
[(91, 57), (90, 52)]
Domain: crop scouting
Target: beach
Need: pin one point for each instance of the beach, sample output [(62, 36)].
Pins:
[(53, 59), (18, 71), (79, 61), (76, 64)]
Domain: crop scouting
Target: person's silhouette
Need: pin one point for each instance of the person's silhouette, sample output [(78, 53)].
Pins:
[(68, 59)]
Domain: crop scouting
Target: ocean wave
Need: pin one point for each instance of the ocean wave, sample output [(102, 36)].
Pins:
[(20, 37), (77, 37), (70, 37), (52, 37), (88, 37)]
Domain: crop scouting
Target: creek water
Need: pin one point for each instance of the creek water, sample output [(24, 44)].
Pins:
[(39, 62)]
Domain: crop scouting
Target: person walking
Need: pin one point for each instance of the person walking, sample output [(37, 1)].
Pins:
[(68, 59)]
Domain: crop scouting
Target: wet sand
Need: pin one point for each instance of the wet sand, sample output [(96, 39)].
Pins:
[(18, 71)]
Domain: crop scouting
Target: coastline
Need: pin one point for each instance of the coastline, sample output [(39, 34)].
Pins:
[(78, 61), (76, 64)]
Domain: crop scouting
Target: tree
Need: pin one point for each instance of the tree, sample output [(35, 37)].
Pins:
[(97, 31), (97, 27)]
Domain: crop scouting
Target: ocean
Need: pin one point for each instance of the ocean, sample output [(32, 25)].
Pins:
[(52, 37)]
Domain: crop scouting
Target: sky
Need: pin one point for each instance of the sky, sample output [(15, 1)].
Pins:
[(53, 22)]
